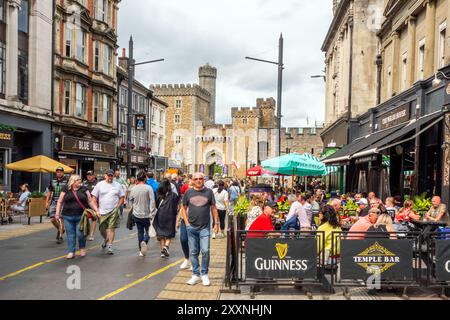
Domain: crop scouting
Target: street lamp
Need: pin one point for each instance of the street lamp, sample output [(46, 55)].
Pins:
[(279, 86), (131, 65), (438, 81), (320, 76)]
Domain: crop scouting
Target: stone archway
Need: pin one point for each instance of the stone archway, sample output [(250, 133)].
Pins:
[(212, 159)]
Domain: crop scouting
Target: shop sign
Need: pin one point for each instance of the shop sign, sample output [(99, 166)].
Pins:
[(140, 122), (391, 259), (395, 117), (443, 260), (138, 159), (77, 145), (281, 258), (371, 158), (6, 139)]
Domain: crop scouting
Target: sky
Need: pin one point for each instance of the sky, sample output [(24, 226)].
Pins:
[(189, 34)]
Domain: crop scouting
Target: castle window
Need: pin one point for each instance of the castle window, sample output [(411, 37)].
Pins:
[(312, 131), (177, 119), (300, 131), (178, 139), (244, 121), (178, 104)]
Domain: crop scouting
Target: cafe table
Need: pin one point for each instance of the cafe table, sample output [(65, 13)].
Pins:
[(426, 227)]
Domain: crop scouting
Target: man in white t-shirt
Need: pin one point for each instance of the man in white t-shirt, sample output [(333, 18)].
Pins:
[(109, 196)]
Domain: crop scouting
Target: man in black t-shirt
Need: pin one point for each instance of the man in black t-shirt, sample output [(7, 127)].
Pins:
[(198, 203), (53, 192)]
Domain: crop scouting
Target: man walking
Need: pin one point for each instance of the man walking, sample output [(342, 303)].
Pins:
[(53, 192), (198, 202), (90, 183), (142, 199), (109, 196)]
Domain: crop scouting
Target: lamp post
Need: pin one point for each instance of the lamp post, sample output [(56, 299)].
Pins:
[(279, 85), (131, 65)]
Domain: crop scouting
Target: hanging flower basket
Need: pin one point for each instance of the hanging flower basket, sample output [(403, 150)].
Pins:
[(133, 146), (123, 145)]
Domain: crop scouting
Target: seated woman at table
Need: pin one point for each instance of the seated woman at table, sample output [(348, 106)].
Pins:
[(255, 209), (384, 224), (438, 211), (330, 224), (22, 205), (407, 213), (390, 207)]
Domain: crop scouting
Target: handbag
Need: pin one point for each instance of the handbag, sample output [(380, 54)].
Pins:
[(90, 216)]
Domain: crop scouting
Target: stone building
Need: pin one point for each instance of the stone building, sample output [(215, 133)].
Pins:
[(85, 84), (25, 86), (196, 143), (302, 140)]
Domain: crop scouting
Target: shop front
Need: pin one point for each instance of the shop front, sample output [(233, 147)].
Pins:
[(159, 166), (87, 155)]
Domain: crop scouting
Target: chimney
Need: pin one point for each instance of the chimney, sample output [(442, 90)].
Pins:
[(123, 60)]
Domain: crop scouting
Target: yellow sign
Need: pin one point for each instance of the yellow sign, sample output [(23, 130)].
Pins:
[(376, 259), (282, 250)]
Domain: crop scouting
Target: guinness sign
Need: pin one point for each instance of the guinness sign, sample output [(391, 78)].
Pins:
[(83, 146), (6, 139), (281, 258)]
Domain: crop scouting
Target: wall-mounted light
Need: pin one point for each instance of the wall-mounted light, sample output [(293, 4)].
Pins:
[(436, 82)]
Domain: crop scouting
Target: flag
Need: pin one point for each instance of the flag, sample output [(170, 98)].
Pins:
[(236, 165)]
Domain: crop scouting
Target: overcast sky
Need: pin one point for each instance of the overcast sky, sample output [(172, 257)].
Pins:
[(188, 34)]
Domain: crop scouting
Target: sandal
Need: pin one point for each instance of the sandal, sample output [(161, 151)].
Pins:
[(82, 252), (70, 256)]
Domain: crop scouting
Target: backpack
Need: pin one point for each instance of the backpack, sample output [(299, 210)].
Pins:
[(234, 193)]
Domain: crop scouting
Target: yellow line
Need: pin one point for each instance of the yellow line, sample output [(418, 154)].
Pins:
[(151, 275), (53, 260)]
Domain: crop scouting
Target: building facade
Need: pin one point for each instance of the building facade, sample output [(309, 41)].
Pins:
[(85, 84), (25, 86), (303, 140), (157, 138)]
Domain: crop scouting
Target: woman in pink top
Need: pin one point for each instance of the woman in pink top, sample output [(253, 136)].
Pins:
[(406, 213)]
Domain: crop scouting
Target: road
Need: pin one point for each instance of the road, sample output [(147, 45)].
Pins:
[(34, 267)]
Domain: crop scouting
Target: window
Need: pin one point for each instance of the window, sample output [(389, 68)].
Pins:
[(2, 10), (100, 10), (141, 138), (107, 60), (23, 76), (178, 139), (300, 131), (67, 98), (161, 118), (312, 131), (177, 119), (153, 115), (96, 107), (160, 145), (2, 67), (80, 101), (441, 49), (23, 16), (404, 71), (81, 45), (421, 58), (244, 121), (106, 109), (68, 39), (178, 104), (96, 56)]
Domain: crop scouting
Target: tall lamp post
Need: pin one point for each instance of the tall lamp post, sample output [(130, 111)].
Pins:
[(279, 86), (131, 65)]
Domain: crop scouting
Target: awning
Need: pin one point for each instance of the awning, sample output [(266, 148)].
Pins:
[(424, 123), (346, 153)]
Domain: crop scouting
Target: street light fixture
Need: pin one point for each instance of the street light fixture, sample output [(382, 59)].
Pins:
[(131, 65), (320, 76), (279, 86), (436, 82)]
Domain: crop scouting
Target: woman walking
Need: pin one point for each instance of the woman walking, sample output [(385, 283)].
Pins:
[(223, 205), (166, 216), (72, 202)]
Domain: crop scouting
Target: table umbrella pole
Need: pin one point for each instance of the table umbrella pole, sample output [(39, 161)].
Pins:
[(40, 181)]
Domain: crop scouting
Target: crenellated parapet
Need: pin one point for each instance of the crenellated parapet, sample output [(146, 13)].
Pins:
[(167, 90), (244, 112)]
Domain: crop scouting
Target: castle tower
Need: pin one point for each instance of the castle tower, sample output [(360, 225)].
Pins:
[(207, 79)]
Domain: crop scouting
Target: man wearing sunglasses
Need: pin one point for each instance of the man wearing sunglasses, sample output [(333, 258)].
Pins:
[(109, 196), (198, 203)]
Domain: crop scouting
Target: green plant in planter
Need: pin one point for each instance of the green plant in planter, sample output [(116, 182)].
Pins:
[(350, 208), (284, 206), (241, 207), (422, 203), (36, 194)]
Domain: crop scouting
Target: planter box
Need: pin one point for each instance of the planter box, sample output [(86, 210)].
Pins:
[(36, 207)]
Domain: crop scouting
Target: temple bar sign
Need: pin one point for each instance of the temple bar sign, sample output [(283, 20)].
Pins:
[(395, 117)]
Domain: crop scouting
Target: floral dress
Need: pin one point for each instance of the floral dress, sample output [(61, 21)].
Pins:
[(254, 213)]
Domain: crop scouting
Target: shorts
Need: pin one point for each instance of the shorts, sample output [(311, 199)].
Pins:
[(110, 220), (52, 209)]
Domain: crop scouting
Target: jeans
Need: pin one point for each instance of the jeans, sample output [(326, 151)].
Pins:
[(71, 226), (142, 226), (199, 241), (184, 239)]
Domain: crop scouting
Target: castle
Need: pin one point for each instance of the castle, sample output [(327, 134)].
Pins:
[(196, 143)]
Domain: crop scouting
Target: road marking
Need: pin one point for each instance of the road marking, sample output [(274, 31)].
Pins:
[(151, 275), (34, 266)]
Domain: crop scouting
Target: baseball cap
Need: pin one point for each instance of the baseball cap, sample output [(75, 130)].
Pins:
[(59, 169), (109, 172), (363, 201), (271, 204), (90, 173)]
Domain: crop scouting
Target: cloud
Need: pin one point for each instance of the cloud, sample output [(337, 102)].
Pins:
[(190, 34)]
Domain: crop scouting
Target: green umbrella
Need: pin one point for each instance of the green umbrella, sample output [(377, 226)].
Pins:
[(295, 164)]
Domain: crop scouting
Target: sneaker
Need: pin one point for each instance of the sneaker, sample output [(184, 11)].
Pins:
[(222, 235), (70, 256), (163, 255), (91, 238), (144, 248), (165, 251), (105, 242), (193, 281), (110, 250), (205, 280), (185, 264), (214, 235), (57, 236), (59, 240), (140, 254)]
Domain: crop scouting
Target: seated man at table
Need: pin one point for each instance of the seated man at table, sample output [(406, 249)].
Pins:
[(22, 205), (363, 207), (363, 224), (263, 222), (438, 211)]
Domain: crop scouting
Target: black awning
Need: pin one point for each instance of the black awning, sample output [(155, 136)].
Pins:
[(424, 123), (346, 153)]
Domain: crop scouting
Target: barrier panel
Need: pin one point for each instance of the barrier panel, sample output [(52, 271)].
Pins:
[(376, 259), (283, 258), (438, 271)]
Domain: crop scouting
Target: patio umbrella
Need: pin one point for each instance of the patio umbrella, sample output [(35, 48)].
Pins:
[(38, 164), (256, 171), (295, 164)]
